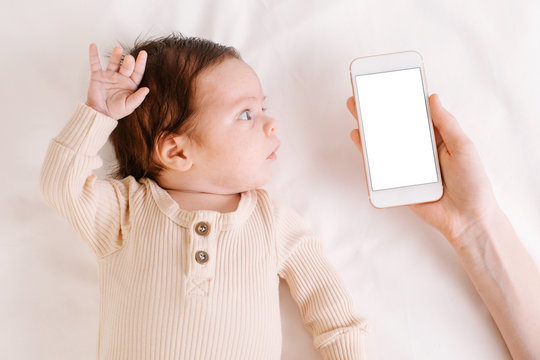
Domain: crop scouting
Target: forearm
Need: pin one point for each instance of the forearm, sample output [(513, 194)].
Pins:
[(507, 279), (326, 307), (71, 157)]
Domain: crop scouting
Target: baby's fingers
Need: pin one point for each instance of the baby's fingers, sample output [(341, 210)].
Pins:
[(127, 66), (140, 65), (114, 61), (95, 64), (136, 99)]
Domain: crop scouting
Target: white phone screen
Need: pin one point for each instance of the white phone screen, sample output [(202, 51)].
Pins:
[(396, 129)]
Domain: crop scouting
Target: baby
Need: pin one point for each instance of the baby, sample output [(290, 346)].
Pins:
[(190, 248)]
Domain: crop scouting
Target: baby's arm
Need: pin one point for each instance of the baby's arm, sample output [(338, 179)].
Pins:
[(325, 305), (96, 208)]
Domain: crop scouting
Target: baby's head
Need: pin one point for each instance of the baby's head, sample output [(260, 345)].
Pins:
[(202, 127)]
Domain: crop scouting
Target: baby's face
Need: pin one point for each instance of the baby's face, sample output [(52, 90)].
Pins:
[(238, 137)]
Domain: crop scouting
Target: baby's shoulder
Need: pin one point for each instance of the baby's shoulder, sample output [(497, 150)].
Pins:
[(266, 201), (279, 209), (127, 186)]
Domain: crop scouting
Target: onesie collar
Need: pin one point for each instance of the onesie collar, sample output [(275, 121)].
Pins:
[(185, 218)]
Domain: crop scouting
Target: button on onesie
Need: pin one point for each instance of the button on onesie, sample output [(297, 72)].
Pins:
[(201, 260)]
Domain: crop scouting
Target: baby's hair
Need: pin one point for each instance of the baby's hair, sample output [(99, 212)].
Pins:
[(172, 67)]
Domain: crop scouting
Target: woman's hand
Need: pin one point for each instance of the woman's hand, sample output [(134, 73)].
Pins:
[(468, 197), (113, 92), (467, 214)]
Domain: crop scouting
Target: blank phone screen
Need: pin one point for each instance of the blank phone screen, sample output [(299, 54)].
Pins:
[(396, 129)]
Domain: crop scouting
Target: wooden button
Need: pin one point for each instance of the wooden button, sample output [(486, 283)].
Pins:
[(201, 257), (202, 228)]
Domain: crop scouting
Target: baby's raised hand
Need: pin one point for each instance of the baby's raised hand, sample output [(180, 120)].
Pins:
[(113, 92)]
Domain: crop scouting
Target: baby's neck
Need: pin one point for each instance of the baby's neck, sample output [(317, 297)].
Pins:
[(192, 200)]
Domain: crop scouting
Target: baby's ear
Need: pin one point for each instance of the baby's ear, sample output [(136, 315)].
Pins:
[(172, 151)]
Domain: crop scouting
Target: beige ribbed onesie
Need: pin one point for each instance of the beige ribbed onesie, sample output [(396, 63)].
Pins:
[(177, 284)]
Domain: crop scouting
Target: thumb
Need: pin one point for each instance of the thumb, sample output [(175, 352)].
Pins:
[(449, 128), (136, 99)]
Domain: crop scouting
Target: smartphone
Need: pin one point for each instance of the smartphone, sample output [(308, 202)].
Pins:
[(398, 143)]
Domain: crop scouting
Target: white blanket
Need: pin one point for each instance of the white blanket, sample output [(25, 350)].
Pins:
[(482, 58)]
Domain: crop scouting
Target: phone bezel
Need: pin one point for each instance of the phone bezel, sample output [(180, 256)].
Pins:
[(407, 195)]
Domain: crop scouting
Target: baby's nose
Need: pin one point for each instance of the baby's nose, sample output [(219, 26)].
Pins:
[(271, 125)]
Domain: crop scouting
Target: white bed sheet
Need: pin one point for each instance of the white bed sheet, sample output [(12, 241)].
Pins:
[(482, 57)]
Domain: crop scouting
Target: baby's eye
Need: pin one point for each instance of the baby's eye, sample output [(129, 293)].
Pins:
[(245, 115)]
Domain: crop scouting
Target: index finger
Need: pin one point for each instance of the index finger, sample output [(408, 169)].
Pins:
[(95, 64)]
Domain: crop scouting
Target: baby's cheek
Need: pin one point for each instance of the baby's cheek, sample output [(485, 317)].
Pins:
[(244, 151), (247, 164)]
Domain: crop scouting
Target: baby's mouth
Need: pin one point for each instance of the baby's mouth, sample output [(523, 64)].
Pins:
[(273, 154)]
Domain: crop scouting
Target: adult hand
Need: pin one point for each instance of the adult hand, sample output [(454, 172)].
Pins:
[(113, 91), (468, 196)]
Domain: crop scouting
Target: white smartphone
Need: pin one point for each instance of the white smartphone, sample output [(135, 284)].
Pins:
[(398, 143)]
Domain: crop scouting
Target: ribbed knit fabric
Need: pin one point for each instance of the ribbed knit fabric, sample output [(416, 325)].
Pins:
[(156, 300)]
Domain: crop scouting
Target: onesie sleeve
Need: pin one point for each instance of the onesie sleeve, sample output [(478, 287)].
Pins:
[(96, 208), (326, 307)]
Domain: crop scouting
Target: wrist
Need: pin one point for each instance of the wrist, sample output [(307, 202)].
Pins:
[(97, 109), (477, 231)]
